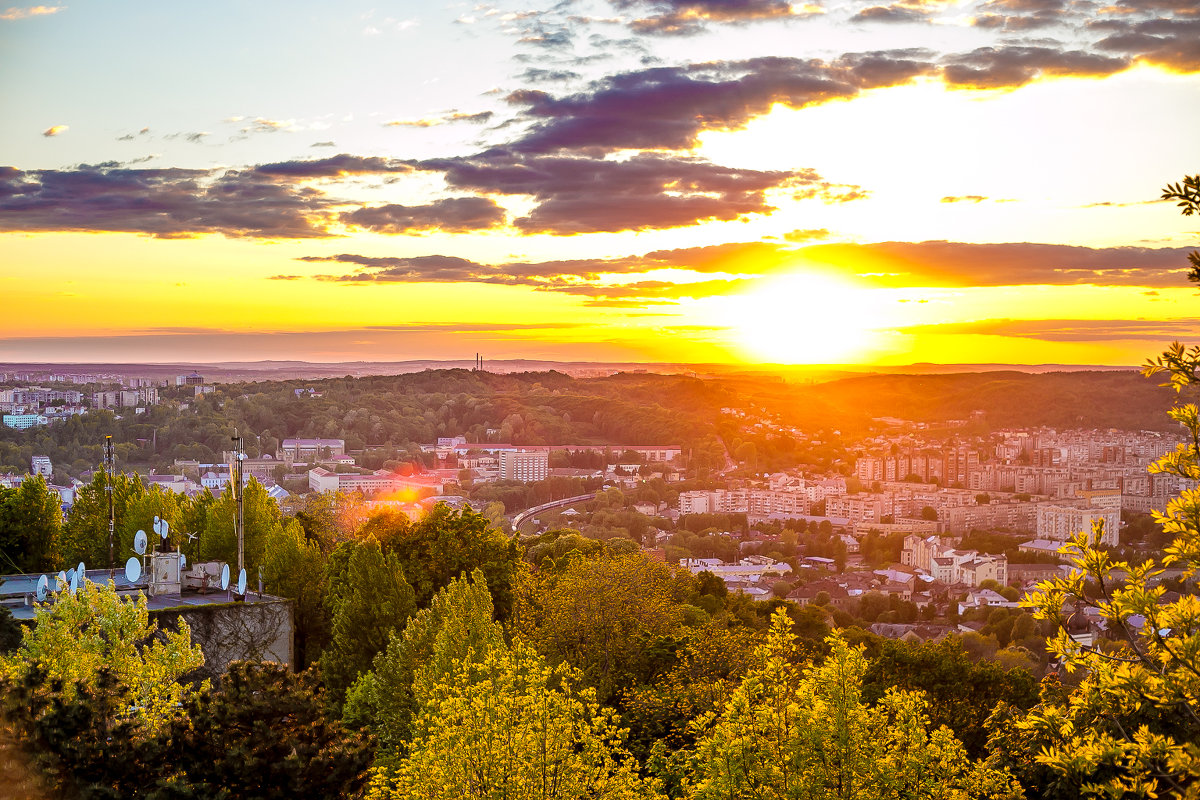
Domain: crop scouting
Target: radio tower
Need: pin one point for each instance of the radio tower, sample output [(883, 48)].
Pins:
[(236, 480), (110, 458)]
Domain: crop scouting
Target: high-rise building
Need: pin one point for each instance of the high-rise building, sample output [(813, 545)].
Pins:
[(523, 465)]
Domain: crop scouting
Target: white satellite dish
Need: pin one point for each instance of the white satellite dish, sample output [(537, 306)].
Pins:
[(74, 585), (139, 543), (62, 581), (42, 585), (241, 585), (224, 577), (157, 521), (133, 569), (182, 561), (80, 573), (166, 528)]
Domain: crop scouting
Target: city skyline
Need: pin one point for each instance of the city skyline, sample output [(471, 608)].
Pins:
[(632, 180)]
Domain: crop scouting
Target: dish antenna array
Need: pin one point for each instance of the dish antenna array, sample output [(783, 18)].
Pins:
[(65, 581)]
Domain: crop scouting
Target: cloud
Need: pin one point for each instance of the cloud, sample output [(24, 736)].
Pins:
[(538, 75), (13, 13), (1012, 66), (1069, 330), (667, 107), (966, 198), (689, 17), (1170, 43), (960, 264), (430, 122), (168, 203), (892, 13), (454, 214), (55, 130), (323, 144), (332, 167), (577, 194), (808, 235)]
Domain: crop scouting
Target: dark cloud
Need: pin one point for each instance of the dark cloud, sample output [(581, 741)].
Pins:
[(1070, 330), (578, 194), (1010, 66), (1170, 43), (579, 278), (332, 167), (453, 214), (1017, 23), (538, 75), (893, 13), (689, 17), (322, 144), (964, 264), (167, 203), (666, 107)]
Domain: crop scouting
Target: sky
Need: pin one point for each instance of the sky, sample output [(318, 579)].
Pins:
[(816, 182)]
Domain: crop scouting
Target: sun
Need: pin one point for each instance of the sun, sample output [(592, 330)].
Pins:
[(802, 318)]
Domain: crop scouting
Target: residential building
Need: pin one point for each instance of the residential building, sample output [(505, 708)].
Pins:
[(40, 465), (524, 465)]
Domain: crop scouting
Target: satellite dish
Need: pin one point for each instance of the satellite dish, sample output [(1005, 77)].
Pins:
[(80, 572), (224, 576), (133, 569), (241, 585), (164, 528), (74, 586), (139, 543), (42, 584), (62, 581), (157, 522), (182, 561)]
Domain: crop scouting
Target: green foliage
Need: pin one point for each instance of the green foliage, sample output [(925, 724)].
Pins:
[(508, 726), (79, 637), (30, 527), (604, 617), (265, 733), (1131, 726), (368, 599), (294, 567), (806, 733), (1187, 193), (456, 630), (961, 694), (445, 544)]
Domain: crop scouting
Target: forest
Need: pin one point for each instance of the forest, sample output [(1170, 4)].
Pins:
[(387, 418)]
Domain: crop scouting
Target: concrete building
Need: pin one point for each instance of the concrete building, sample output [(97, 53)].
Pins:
[(524, 465), (40, 465), (23, 421), (1061, 522), (310, 450)]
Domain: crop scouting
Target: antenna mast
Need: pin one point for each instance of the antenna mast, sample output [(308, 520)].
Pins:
[(110, 458), (236, 480)]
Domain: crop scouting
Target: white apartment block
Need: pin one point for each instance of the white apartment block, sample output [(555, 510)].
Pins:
[(40, 465), (950, 566), (1061, 522), (524, 465)]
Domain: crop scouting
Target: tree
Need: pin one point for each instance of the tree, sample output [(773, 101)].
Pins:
[(1132, 724), (604, 617), (511, 727), (80, 636), (368, 599), (456, 629), (30, 527), (264, 733), (294, 567), (806, 733)]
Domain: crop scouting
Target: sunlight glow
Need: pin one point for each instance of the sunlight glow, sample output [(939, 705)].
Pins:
[(802, 318)]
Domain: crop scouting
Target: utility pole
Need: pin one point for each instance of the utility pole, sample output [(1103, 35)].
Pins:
[(110, 458), (236, 480)]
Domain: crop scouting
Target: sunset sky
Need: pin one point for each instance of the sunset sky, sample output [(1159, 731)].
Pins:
[(834, 181)]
